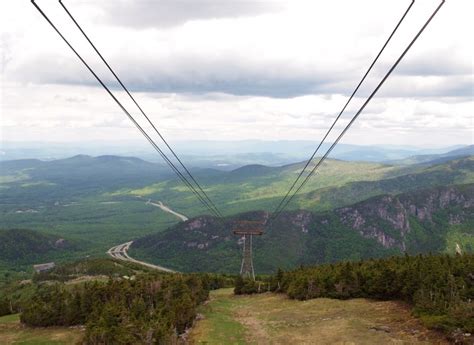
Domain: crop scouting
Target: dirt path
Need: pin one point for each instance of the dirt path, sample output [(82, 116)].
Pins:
[(275, 319)]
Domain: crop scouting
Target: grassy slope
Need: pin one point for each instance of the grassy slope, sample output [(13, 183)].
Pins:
[(274, 319), (12, 332)]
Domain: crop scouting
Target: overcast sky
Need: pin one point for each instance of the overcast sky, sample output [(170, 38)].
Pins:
[(238, 69)]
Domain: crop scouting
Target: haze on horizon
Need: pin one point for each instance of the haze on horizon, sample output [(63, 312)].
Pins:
[(239, 70)]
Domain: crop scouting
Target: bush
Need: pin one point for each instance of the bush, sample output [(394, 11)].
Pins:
[(4, 307)]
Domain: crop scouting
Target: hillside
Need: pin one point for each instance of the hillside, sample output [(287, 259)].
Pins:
[(21, 246), (103, 200), (37, 182), (421, 221), (457, 171)]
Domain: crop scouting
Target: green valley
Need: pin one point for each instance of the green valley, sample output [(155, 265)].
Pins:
[(99, 202)]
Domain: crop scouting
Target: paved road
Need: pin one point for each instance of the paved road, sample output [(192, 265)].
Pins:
[(120, 252), (167, 209)]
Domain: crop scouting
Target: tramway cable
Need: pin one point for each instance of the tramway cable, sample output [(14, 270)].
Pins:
[(358, 112), (139, 107), (343, 109), (152, 142)]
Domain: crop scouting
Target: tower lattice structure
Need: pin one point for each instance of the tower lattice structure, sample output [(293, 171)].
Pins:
[(248, 229)]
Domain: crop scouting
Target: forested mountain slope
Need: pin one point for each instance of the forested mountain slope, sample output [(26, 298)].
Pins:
[(103, 200), (420, 221), (21, 246)]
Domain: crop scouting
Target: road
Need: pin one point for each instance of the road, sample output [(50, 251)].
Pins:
[(167, 209), (120, 252)]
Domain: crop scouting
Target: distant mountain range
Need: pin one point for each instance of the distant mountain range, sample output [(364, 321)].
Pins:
[(113, 178), (222, 155), (436, 158)]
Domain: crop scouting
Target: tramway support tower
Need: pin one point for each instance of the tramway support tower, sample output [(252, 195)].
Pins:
[(247, 229)]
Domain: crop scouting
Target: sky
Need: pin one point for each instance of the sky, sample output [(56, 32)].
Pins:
[(237, 70)]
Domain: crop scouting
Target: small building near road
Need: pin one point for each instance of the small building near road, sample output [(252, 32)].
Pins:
[(44, 267)]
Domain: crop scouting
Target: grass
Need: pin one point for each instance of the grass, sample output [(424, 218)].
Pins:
[(275, 319), (7, 319), (219, 325), (12, 332)]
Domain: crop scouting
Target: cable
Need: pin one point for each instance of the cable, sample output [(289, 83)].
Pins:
[(180, 175), (344, 108), (362, 108), (139, 107)]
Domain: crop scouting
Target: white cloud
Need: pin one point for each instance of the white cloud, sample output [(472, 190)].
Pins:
[(167, 13), (51, 114), (247, 69)]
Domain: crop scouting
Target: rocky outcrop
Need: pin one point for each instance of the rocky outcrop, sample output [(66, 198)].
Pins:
[(414, 222), (301, 220), (377, 217)]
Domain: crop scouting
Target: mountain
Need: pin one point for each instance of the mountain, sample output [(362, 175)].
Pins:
[(22, 246), (42, 181), (415, 222), (104, 200), (457, 171), (83, 168), (217, 154), (436, 158)]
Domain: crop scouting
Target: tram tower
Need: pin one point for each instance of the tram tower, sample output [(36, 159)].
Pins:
[(248, 229)]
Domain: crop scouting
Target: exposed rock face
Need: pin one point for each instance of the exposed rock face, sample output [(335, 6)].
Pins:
[(302, 219), (385, 219), (441, 199), (60, 243), (197, 223), (372, 218), (383, 225)]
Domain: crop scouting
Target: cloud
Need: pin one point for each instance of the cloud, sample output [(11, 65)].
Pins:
[(167, 13), (181, 117), (277, 70), (282, 54)]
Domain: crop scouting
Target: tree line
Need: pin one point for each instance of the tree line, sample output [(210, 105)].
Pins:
[(150, 309), (439, 287)]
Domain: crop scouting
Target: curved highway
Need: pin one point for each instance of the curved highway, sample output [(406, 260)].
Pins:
[(120, 252)]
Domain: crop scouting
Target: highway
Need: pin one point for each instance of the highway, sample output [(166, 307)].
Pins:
[(120, 252), (167, 209)]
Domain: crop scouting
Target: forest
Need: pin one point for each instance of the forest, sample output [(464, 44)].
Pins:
[(148, 308)]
